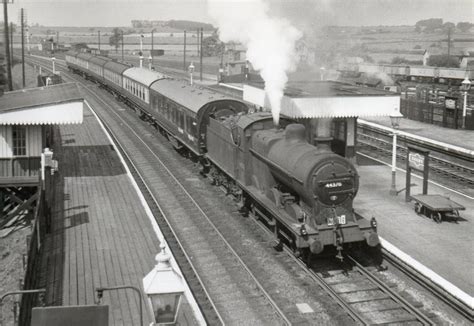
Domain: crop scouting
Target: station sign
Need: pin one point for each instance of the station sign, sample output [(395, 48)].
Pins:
[(416, 161), (450, 102)]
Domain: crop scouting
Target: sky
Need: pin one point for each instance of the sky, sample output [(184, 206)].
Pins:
[(317, 12)]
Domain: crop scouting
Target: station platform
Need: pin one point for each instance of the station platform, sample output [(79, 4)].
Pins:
[(444, 248), (102, 235)]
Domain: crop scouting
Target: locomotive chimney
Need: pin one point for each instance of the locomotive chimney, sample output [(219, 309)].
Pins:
[(322, 128)]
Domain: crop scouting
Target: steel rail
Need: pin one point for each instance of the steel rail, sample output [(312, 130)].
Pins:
[(393, 295), (437, 166), (426, 283), (318, 279)]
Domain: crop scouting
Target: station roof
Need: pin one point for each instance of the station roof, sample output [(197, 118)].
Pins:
[(327, 99), (56, 104), (142, 75), (192, 97)]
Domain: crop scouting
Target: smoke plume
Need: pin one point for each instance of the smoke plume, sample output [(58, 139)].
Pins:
[(270, 42)]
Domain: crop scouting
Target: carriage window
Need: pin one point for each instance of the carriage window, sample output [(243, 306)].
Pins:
[(181, 119)]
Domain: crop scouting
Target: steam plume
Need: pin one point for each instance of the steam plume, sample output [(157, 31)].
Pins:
[(270, 42)]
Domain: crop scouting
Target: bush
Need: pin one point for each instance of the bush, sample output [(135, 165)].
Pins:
[(443, 60)]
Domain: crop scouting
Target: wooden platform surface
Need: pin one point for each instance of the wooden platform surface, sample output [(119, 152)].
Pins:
[(100, 233)]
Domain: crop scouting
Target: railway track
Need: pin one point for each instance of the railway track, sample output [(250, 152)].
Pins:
[(360, 294), (461, 173), (383, 308), (253, 295)]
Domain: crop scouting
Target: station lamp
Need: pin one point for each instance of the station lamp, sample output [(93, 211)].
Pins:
[(465, 87), (395, 118), (53, 59), (191, 71), (164, 289), (150, 58)]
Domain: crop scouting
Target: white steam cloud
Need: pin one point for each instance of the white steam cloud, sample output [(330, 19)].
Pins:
[(270, 42)]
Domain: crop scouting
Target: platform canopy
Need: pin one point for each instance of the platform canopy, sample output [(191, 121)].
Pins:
[(51, 105), (327, 99)]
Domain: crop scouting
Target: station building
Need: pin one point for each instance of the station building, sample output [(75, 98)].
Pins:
[(329, 109), (27, 118)]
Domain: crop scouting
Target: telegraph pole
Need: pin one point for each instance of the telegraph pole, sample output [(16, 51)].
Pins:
[(11, 41), (98, 33), (449, 44), (184, 52), (7, 45), (197, 34), (200, 55), (57, 38), (122, 45), (23, 46)]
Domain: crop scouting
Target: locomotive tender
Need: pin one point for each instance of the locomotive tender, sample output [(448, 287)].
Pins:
[(304, 193)]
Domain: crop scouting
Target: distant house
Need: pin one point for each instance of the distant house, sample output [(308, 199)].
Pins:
[(235, 52), (467, 60)]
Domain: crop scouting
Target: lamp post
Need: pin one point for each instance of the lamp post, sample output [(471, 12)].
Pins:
[(164, 289), (191, 71), (150, 61), (100, 293), (53, 59), (395, 118), (141, 61), (465, 87)]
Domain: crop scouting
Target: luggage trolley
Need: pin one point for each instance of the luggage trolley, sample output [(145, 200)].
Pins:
[(437, 207)]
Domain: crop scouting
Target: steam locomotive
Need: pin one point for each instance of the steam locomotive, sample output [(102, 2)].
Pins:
[(303, 193)]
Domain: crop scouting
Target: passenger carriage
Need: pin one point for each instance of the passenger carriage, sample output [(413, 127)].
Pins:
[(136, 87), (113, 78), (71, 59), (184, 110), (96, 67), (82, 62)]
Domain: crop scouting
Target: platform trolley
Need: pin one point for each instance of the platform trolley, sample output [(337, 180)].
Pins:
[(437, 207)]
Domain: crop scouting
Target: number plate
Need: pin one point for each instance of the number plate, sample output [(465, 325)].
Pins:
[(341, 220)]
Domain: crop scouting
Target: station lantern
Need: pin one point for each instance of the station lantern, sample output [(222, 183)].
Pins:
[(164, 289)]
